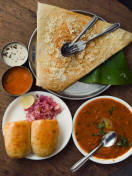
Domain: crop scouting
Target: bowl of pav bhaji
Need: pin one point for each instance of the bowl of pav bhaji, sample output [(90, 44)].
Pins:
[(94, 119)]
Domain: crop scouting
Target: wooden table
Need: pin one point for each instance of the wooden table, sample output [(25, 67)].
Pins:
[(17, 22)]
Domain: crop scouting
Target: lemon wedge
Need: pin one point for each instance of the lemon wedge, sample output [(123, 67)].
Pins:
[(27, 101)]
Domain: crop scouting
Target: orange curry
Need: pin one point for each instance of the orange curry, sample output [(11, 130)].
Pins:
[(17, 80), (96, 119)]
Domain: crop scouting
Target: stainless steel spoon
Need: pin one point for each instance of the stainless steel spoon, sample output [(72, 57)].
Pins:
[(88, 26), (81, 45), (107, 141)]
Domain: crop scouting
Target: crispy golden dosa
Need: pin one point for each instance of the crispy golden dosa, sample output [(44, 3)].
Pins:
[(55, 26), (17, 137), (44, 136)]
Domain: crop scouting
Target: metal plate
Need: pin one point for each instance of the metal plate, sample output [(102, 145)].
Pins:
[(77, 91)]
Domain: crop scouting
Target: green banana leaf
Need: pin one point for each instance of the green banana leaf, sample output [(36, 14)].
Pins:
[(115, 71)]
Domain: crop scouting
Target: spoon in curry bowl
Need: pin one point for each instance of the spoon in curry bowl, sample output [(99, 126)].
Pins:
[(107, 141)]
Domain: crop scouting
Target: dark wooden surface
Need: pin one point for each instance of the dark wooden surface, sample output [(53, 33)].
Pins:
[(17, 21)]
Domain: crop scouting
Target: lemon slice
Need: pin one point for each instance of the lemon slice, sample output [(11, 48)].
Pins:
[(27, 101)]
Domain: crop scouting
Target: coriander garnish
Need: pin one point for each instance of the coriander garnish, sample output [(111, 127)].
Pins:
[(95, 123), (76, 133), (101, 125), (119, 144), (93, 134), (123, 142), (78, 123), (111, 110), (88, 112), (101, 132)]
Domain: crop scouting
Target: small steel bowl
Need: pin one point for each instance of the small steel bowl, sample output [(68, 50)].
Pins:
[(3, 79), (7, 45)]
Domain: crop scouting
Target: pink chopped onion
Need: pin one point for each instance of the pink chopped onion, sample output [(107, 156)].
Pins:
[(43, 107)]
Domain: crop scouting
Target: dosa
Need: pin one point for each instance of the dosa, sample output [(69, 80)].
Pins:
[(56, 26)]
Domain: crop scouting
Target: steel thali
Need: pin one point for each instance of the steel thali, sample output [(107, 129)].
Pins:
[(77, 91)]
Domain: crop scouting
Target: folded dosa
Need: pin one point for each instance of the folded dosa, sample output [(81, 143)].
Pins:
[(56, 26)]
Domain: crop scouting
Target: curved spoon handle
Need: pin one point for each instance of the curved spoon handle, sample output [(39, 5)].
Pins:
[(109, 29), (89, 25), (78, 164)]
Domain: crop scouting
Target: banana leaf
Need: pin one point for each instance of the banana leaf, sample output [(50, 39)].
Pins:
[(115, 71)]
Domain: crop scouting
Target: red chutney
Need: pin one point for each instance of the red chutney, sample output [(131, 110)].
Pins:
[(17, 80), (99, 117)]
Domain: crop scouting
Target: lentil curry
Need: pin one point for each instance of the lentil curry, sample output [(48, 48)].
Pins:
[(99, 117)]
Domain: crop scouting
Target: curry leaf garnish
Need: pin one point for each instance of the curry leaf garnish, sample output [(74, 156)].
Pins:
[(111, 110)]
